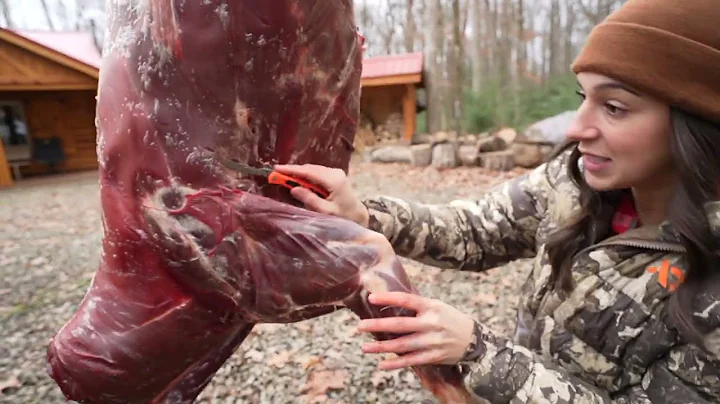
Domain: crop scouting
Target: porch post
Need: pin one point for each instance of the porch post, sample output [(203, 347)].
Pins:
[(6, 179), (409, 112)]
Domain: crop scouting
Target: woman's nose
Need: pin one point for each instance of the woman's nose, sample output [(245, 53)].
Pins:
[(581, 127)]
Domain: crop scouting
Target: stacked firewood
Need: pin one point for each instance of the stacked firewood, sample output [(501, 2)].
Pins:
[(391, 130), (371, 134)]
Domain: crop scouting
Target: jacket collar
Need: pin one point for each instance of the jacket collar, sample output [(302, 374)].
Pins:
[(664, 236)]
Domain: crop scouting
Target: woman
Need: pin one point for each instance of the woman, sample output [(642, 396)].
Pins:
[(623, 302)]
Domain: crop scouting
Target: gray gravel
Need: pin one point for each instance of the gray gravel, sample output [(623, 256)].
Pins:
[(49, 248)]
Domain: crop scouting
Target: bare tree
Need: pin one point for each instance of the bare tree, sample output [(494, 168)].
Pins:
[(409, 26), (434, 65), (455, 68), (520, 71), (366, 23), (570, 18), (7, 15), (48, 16), (389, 27), (478, 45)]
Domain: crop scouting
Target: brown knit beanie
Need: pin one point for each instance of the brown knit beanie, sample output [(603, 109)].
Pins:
[(667, 48)]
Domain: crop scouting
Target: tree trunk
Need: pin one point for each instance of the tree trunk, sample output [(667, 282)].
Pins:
[(569, 49), (366, 23), (47, 15), (435, 67), (492, 38), (522, 38), (479, 52), (553, 39), (505, 62), (520, 64), (456, 69), (7, 15), (409, 26)]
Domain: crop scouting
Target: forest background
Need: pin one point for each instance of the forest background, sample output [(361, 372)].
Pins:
[(488, 63)]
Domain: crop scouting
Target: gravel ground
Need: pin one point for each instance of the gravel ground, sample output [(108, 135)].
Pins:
[(49, 248)]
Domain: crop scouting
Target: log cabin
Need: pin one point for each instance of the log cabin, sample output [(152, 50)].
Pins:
[(48, 85)]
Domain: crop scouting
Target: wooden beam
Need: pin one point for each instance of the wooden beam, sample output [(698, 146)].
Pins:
[(409, 112), (48, 53), (391, 80), (46, 87), (6, 179)]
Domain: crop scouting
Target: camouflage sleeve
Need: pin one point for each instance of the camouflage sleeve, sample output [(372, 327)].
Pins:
[(501, 372), (499, 227)]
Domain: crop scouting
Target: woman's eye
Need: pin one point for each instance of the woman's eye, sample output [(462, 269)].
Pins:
[(614, 109), (581, 94)]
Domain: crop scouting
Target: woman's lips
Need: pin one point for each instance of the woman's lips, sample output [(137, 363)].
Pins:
[(593, 162)]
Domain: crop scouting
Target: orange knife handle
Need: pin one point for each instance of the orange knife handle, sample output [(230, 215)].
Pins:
[(290, 183)]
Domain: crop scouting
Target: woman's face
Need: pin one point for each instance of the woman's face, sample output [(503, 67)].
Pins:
[(623, 135)]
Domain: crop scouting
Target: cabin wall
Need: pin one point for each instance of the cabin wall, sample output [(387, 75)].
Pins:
[(67, 114)]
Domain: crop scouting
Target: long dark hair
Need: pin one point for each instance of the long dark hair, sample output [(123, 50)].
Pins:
[(695, 147)]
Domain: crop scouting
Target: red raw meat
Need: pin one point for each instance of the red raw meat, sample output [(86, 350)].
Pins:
[(193, 254)]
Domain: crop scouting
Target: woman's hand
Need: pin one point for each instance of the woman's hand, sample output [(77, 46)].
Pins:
[(438, 334), (342, 201)]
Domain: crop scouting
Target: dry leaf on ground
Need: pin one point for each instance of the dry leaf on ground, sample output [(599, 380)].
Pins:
[(280, 360), (255, 355), (380, 378), (485, 298), (308, 361), (320, 382), (10, 383)]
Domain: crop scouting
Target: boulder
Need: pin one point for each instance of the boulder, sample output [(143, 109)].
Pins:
[(551, 129), (391, 154)]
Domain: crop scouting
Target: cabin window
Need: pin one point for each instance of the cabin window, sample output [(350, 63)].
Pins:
[(15, 135), (13, 126)]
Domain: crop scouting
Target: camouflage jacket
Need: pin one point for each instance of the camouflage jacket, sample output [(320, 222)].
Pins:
[(609, 341)]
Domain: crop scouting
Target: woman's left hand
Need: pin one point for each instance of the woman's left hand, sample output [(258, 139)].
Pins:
[(438, 334)]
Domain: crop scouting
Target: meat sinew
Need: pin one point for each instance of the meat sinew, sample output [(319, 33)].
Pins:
[(193, 254)]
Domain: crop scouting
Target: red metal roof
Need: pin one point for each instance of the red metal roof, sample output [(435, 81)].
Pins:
[(393, 65), (76, 45)]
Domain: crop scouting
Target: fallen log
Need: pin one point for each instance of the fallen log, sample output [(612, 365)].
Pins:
[(444, 155), (421, 155), (468, 155), (503, 160), (392, 154)]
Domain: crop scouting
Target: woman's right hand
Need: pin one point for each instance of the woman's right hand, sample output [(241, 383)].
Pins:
[(341, 202)]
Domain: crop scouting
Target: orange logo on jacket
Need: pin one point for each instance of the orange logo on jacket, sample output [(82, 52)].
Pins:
[(663, 275)]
